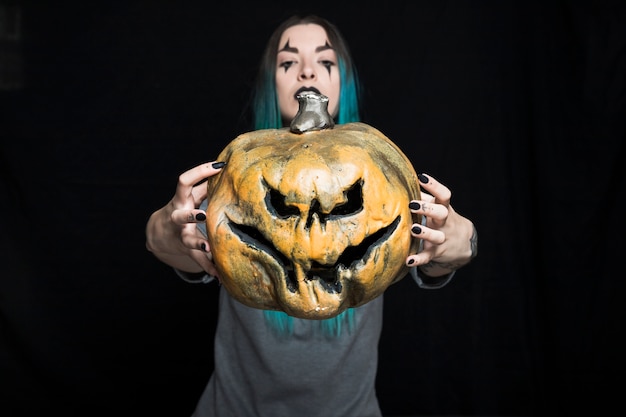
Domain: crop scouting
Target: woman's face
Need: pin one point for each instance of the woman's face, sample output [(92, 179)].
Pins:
[(306, 62)]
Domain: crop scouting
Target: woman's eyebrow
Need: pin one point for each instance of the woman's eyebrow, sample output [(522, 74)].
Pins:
[(288, 48), (323, 47)]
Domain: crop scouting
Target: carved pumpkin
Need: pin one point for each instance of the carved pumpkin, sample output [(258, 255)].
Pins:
[(313, 223)]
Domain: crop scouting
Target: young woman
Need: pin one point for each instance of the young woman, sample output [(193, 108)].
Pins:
[(267, 363)]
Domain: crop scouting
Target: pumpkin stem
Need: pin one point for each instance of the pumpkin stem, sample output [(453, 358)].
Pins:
[(312, 113)]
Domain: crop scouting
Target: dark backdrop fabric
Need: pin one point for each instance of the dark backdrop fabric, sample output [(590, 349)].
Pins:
[(518, 107)]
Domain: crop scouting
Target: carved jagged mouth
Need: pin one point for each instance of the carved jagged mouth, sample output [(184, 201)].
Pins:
[(326, 274)]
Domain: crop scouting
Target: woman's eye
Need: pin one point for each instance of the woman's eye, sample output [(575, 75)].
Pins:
[(327, 64), (286, 65)]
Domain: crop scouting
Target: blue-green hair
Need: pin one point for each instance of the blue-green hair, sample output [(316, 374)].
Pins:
[(282, 324), (266, 115), (265, 108)]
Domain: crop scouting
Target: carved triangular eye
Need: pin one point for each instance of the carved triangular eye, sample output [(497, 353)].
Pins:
[(353, 203), (276, 205)]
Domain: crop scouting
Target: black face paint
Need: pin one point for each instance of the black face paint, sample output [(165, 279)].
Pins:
[(288, 48), (323, 48), (327, 64)]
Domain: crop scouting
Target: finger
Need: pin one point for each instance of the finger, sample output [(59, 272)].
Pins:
[(429, 209), (426, 197), (200, 172), (204, 258), (419, 259), (199, 193), (441, 193), (192, 238), (434, 236), (185, 216), (188, 183)]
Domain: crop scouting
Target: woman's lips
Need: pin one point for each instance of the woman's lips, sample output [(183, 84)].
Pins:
[(303, 89)]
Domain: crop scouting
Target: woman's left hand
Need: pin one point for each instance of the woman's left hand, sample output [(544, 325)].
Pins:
[(449, 239)]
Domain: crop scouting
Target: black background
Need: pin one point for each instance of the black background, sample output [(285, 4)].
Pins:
[(519, 107)]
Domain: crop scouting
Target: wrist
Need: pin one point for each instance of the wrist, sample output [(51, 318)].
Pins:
[(427, 282), (436, 270)]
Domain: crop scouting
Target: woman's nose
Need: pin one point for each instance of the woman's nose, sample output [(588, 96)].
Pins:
[(307, 73)]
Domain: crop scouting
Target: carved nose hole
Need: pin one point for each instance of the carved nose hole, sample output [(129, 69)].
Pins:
[(352, 205), (315, 208)]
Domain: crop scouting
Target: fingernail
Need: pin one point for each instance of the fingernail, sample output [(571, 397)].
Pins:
[(201, 217), (423, 178), (416, 229), (218, 165), (414, 205), (203, 246), (411, 261)]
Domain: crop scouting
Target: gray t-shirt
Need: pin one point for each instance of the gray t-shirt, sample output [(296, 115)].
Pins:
[(259, 372)]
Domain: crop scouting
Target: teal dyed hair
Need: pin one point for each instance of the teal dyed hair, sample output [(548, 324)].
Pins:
[(348, 95), (265, 105), (282, 324), (266, 115), (265, 108)]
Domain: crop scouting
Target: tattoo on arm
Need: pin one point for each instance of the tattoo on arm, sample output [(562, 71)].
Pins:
[(474, 243)]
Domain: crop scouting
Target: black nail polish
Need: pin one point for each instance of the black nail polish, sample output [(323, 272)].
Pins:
[(203, 246), (416, 229), (423, 178), (414, 205), (218, 165), (411, 261), (201, 217)]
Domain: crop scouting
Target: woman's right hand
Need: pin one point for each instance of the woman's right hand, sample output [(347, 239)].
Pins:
[(171, 233)]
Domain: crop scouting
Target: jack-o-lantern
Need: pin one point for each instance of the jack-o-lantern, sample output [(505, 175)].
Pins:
[(311, 223)]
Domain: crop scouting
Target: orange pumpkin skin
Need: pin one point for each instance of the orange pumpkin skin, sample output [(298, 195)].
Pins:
[(313, 223)]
